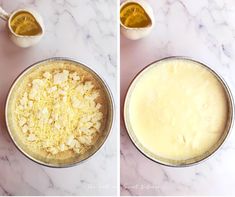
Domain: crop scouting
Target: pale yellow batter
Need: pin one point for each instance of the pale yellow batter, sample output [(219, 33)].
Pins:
[(52, 109), (177, 109)]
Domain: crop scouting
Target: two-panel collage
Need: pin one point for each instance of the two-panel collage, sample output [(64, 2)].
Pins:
[(117, 97)]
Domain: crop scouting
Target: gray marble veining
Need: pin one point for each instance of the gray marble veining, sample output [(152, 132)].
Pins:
[(203, 30), (85, 31)]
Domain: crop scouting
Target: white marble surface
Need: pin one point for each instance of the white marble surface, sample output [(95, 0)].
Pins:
[(203, 30), (86, 31)]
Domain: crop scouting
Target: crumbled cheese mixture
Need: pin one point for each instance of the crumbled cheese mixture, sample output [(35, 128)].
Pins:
[(59, 112)]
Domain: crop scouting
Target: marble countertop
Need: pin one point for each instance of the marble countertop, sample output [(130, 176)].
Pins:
[(203, 30), (85, 31)]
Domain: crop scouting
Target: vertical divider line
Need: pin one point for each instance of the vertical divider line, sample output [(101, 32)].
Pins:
[(118, 99)]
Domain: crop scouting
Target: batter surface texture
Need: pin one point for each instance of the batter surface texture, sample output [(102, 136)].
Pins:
[(177, 109)]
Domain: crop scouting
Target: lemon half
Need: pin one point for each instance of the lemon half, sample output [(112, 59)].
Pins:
[(133, 15), (24, 23)]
